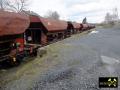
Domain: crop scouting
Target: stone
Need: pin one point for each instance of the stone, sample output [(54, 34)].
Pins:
[(41, 51)]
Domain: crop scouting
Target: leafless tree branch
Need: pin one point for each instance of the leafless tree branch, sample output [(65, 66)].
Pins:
[(15, 5), (52, 14)]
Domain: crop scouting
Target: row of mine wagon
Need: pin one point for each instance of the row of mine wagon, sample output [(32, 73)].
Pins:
[(21, 35)]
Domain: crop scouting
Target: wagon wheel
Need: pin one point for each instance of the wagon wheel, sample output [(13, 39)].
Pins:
[(35, 52)]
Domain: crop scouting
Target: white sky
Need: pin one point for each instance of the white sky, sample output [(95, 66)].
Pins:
[(76, 10)]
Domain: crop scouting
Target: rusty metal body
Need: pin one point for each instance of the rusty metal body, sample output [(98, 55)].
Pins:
[(77, 27), (11, 33), (13, 23), (49, 29)]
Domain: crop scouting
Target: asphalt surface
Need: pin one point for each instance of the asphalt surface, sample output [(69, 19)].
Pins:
[(80, 61)]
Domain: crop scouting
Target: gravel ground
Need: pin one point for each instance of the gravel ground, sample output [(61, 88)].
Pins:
[(75, 63)]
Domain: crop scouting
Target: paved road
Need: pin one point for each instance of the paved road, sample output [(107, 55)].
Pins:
[(81, 60), (88, 57)]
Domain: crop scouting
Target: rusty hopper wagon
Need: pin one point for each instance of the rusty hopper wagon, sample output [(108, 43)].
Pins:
[(43, 30), (55, 29), (77, 27), (85, 27), (12, 27)]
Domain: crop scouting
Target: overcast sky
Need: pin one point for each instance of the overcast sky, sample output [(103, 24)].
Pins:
[(76, 10)]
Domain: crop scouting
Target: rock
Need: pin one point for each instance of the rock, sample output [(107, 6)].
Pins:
[(41, 51)]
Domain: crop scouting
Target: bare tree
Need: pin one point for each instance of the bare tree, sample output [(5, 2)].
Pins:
[(112, 17), (84, 20), (2, 4), (115, 15), (108, 17), (52, 14), (14, 5)]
